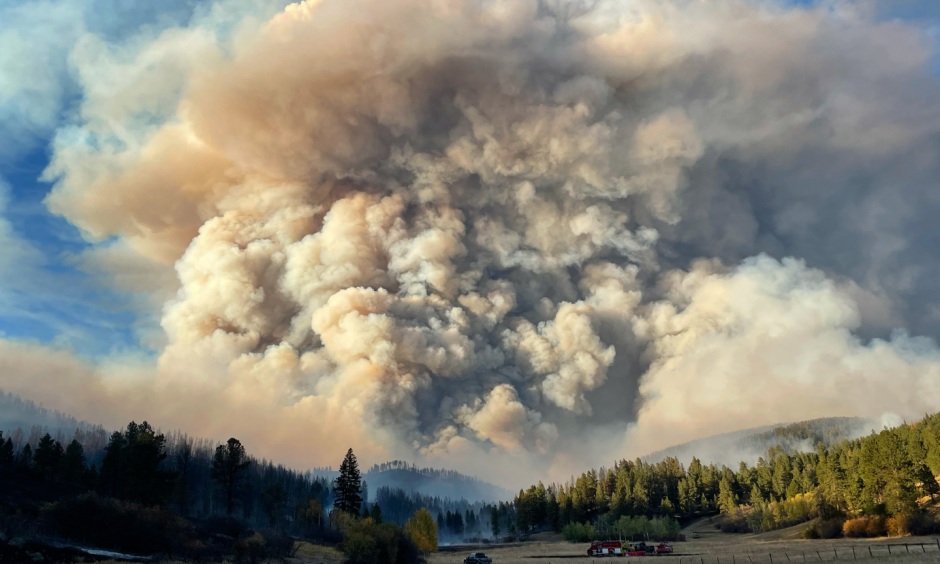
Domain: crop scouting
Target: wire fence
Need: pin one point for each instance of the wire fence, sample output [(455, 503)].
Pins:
[(859, 552)]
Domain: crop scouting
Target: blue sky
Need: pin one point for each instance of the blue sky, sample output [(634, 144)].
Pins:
[(44, 293)]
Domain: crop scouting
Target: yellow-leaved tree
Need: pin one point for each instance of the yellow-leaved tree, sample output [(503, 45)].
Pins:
[(423, 531)]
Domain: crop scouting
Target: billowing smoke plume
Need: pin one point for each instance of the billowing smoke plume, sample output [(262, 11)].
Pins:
[(480, 226)]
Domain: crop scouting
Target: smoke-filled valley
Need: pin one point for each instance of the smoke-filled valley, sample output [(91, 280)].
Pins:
[(513, 238)]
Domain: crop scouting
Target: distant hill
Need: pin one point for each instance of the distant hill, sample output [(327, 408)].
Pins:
[(431, 482), (747, 445), (25, 421)]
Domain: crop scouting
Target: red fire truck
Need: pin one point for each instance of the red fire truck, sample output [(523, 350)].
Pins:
[(606, 548)]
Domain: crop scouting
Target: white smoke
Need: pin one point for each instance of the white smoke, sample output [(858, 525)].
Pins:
[(471, 228)]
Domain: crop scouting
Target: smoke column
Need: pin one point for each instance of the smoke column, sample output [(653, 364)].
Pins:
[(554, 233)]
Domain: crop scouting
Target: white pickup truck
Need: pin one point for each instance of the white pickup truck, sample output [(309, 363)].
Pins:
[(477, 558)]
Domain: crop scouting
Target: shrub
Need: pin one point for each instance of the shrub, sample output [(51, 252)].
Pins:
[(278, 544), (639, 527), (924, 524), (899, 525), (118, 525), (824, 529), (578, 532), (877, 526), (360, 548), (368, 542), (225, 526), (866, 526)]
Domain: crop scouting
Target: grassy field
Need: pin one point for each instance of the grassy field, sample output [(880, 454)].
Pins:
[(717, 548), (713, 547)]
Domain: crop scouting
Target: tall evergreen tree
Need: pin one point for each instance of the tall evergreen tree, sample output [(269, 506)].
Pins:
[(25, 460), (73, 462), (6, 452), (112, 466), (228, 467), (494, 521), (348, 485), (131, 468), (376, 513), (48, 456)]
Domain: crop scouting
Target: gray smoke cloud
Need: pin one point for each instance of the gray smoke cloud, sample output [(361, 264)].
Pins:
[(557, 232)]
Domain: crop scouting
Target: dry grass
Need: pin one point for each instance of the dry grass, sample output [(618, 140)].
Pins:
[(718, 548), (307, 553), (713, 547), (314, 553)]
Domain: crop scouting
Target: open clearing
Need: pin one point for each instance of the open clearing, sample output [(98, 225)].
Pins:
[(714, 547)]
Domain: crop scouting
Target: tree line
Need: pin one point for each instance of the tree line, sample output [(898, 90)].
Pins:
[(140, 490), (193, 478), (877, 479)]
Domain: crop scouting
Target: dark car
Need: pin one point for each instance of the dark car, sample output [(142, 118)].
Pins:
[(477, 558)]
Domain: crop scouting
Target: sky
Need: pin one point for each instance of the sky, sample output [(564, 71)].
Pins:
[(477, 234)]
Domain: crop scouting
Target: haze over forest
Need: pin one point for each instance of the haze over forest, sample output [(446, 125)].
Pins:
[(515, 238)]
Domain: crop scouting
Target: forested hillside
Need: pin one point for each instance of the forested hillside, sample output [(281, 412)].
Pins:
[(748, 445), (433, 482), (870, 485), (26, 421)]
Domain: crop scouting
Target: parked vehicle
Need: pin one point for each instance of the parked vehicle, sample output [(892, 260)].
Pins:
[(621, 548), (477, 558), (606, 548), (640, 549)]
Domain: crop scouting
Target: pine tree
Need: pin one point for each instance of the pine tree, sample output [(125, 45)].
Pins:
[(727, 500), (928, 482), (131, 468), (494, 521), (228, 466), (48, 456), (25, 459), (348, 485), (376, 513), (6, 452), (73, 462)]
